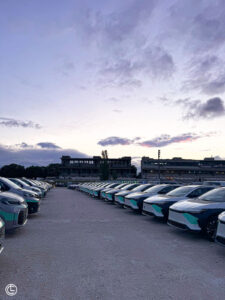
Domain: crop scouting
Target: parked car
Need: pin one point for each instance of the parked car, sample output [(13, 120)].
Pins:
[(13, 210), (32, 184), (110, 195), (30, 197), (120, 196), (220, 233), (24, 185), (2, 234), (158, 205), (199, 214), (119, 186), (98, 190), (135, 200)]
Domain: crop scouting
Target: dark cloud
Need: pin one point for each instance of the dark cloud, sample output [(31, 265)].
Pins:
[(32, 155), (114, 140), (8, 122), (196, 109), (161, 141), (47, 145), (165, 140)]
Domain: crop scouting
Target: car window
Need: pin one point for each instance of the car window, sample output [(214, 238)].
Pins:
[(3, 187), (167, 189), (216, 195), (198, 192), (181, 191)]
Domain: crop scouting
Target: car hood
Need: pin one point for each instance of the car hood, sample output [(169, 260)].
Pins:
[(135, 195), (197, 204), (163, 199), (11, 196), (113, 191), (123, 193)]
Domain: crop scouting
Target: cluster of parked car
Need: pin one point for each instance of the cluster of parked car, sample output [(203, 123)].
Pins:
[(18, 198), (195, 207)]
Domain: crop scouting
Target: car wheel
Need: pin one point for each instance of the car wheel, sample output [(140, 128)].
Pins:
[(210, 229)]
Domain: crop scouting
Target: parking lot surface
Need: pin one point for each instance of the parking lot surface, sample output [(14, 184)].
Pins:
[(78, 247)]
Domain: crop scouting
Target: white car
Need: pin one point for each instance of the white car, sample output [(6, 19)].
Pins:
[(199, 214), (158, 205), (220, 233)]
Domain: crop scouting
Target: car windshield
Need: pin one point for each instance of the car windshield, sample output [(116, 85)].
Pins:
[(140, 188), (22, 182), (155, 188), (127, 187), (217, 195), (11, 183), (181, 191)]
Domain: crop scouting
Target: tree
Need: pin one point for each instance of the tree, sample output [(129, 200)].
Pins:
[(12, 170)]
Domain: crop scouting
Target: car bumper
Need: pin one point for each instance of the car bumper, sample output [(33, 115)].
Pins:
[(120, 200), (15, 219), (2, 237), (183, 221), (153, 209), (131, 203), (220, 234)]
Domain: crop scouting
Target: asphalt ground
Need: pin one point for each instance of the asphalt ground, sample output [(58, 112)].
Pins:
[(78, 247)]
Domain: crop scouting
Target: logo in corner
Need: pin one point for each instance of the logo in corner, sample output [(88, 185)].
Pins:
[(11, 289)]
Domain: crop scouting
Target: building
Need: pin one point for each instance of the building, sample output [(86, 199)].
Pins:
[(92, 167), (185, 170)]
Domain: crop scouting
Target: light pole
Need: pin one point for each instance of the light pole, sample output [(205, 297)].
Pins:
[(159, 166)]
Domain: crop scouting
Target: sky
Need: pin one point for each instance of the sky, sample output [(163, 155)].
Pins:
[(132, 77)]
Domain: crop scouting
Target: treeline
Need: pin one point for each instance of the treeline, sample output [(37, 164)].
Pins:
[(14, 170)]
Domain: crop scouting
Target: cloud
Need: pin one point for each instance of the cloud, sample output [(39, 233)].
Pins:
[(165, 139), (154, 62), (112, 99), (8, 122), (160, 141), (117, 111), (119, 25), (206, 74), (48, 145), (212, 108), (33, 155), (114, 140), (200, 29)]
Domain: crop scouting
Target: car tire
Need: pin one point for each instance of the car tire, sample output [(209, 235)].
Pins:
[(210, 228)]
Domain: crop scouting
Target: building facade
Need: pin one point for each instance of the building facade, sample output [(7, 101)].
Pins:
[(186, 170), (91, 167)]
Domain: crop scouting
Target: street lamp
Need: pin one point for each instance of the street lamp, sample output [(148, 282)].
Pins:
[(159, 152)]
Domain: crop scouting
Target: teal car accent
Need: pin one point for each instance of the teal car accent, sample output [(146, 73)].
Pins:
[(157, 208), (191, 219), (7, 216), (133, 202)]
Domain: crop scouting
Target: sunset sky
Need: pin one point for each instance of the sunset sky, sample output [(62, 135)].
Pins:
[(131, 76)]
